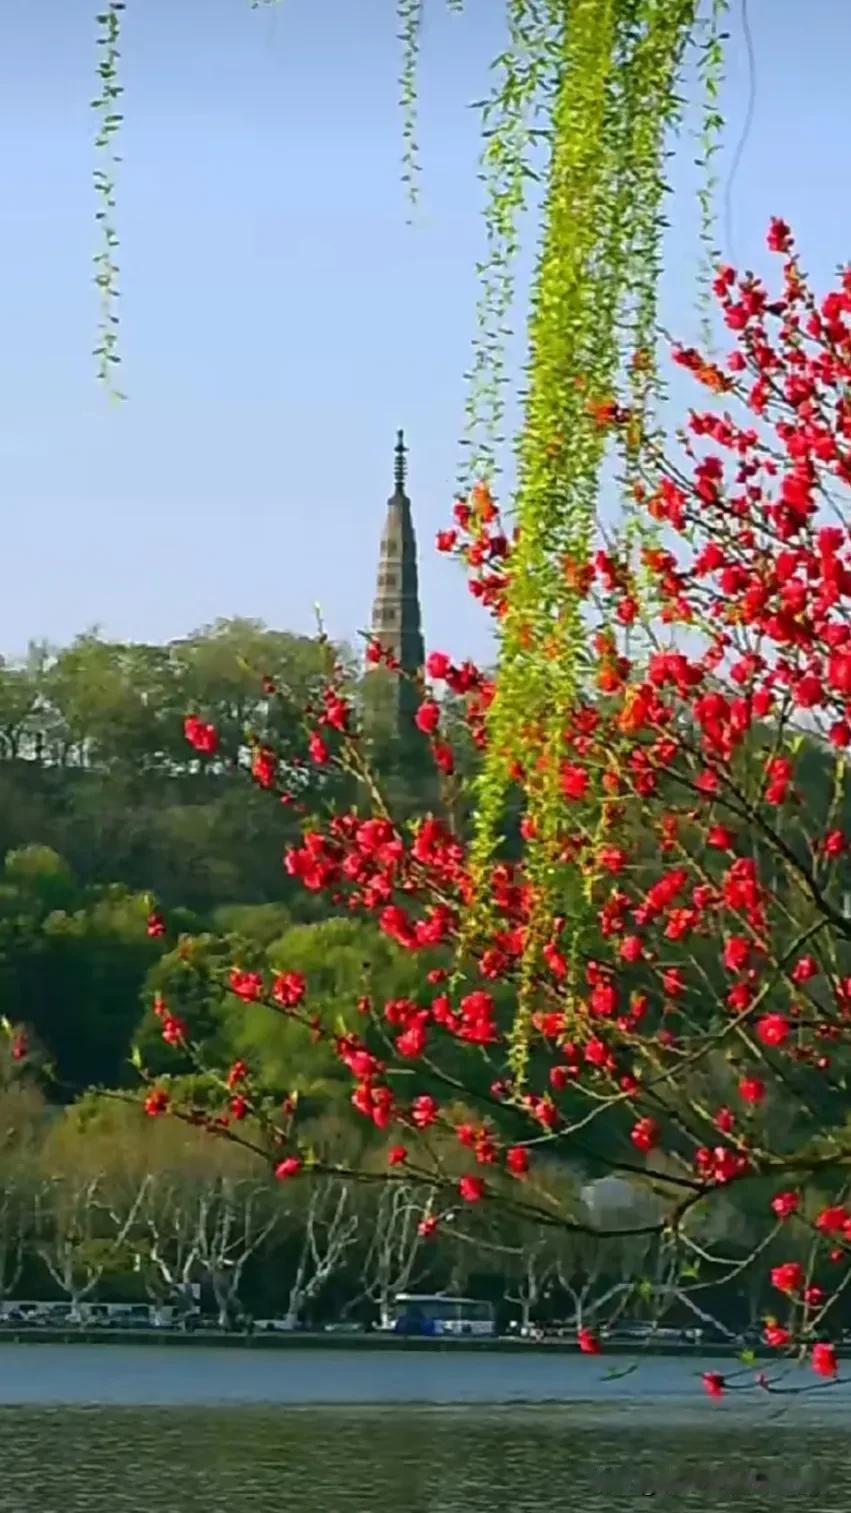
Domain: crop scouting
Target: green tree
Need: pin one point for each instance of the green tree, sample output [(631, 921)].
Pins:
[(71, 965), (18, 703)]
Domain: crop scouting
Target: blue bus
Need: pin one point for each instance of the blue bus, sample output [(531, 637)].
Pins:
[(424, 1314)]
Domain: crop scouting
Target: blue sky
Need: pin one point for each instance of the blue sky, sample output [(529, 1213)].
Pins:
[(280, 318)]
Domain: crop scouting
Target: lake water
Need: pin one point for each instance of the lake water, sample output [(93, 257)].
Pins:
[(108, 1429)]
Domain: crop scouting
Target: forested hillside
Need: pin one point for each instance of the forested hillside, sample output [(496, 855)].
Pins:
[(106, 813)]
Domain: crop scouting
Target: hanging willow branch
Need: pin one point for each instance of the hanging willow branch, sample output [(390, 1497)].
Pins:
[(711, 69), (109, 122), (410, 14), (526, 75), (410, 18), (593, 319)]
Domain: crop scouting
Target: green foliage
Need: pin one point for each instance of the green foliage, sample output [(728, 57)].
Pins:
[(192, 979), (105, 810), (342, 959), (95, 1196), (709, 143), (526, 75), (71, 964), (40, 877), (345, 958), (18, 694), (256, 922), (94, 763), (593, 317)]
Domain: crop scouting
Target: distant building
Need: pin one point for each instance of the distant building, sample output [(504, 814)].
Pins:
[(610, 1199), (396, 620)]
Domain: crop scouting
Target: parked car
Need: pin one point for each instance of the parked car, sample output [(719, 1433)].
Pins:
[(55, 1315), (19, 1315), (94, 1316)]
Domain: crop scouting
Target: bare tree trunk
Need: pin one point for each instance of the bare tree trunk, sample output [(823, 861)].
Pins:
[(328, 1232), (396, 1249), (235, 1226)]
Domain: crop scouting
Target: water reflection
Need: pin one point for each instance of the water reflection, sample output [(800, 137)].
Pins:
[(430, 1460), (646, 1440), (150, 1375)]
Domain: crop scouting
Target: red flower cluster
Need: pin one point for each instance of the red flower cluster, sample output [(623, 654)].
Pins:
[(697, 856), (202, 736)]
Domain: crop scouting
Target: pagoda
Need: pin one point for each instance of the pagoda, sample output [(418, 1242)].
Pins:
[(396, 620)]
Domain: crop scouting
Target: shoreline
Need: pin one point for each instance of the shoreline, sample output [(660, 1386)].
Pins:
[(312, 1340)]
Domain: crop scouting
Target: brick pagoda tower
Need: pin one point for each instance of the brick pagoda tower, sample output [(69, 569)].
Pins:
[(396, 621)]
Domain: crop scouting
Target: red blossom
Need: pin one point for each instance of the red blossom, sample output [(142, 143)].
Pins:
[(779, 237), (289, 1167), (288, 989), (672, 756), (720, 1164), (833, 1219), (574, 781), (471, 1189), (787, 1277), (751, 1090), (804, 969), (588, 1342), (427, 717), (318, 749), (645, 1134), (246, 985), (438, 665), (823, 1359), (203, 737), (264, 767), (336, 711), (173, 1029), (773, 1029), (517, 1160), (444, 758), (737, 951), (423, 1110)]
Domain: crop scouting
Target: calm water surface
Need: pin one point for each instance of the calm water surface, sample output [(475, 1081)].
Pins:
[(115, 1430)]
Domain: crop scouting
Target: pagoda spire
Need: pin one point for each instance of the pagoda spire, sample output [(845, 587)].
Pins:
[(400, 468)]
